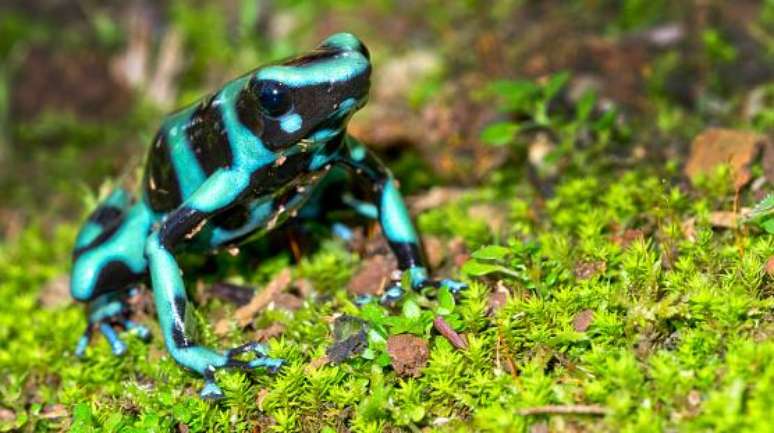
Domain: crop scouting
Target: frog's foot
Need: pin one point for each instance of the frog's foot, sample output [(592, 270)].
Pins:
[(104, 313), (419, 281), (211, 390)]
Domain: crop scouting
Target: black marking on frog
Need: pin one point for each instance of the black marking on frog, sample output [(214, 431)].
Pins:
[(161, 186)]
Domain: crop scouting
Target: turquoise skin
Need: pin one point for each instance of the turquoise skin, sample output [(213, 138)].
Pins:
[(224, 170)]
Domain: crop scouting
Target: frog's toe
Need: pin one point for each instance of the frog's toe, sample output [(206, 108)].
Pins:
[(142, 332), (392, 295), (83, 343), (116, 344), (454, 286), (271, 364), (211, 391), (262, 359)]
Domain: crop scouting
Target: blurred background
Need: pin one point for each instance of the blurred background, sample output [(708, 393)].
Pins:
[(464, 91)]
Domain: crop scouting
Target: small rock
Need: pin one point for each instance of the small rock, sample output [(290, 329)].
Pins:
[(582, 320), (373, 276), (182, 428), (718, 146), (586, 270), (408, 353)]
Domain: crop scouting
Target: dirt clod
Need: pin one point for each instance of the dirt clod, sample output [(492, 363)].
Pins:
[(408, 353)]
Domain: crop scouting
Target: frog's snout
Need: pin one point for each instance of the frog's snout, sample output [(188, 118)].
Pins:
[(346, 42)]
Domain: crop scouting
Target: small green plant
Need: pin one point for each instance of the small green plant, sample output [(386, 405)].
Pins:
[(762, 214), (577, 134)]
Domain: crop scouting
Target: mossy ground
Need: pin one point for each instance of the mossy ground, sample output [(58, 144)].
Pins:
[(680, 335), (619, 291)]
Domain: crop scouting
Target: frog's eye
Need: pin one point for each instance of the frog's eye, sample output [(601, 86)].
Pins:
[(274, 98)]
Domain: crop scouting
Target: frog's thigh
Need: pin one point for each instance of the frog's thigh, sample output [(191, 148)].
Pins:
[(240, 222), (114, 262)]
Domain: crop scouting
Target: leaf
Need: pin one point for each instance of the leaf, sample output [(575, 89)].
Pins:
[(763, 208), (499, 134), (586, 105), (383, 360), (477, 269), (768, 225), (555, 84), (491, 252), (516, 95), (445, 302), (411, 310)]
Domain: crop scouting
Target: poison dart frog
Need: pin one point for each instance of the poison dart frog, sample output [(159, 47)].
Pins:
[(228, 168)]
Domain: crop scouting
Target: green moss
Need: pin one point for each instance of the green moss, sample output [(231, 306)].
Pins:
[(680, 336)]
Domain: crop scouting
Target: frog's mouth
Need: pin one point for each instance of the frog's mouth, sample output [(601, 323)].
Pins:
[(336, 122)]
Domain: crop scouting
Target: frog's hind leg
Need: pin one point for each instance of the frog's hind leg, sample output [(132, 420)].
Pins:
[(108, 260), (328, 193)]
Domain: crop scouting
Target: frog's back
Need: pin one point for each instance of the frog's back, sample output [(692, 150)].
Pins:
[(191, 144)]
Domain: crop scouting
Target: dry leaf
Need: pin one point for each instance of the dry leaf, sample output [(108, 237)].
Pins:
[(245, 314), (717, 146), (582, 320)]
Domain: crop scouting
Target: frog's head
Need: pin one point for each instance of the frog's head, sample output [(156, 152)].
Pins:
[(311, 97)]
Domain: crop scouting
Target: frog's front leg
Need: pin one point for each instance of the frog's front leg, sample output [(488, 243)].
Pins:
[(174, 311), (394, 219)]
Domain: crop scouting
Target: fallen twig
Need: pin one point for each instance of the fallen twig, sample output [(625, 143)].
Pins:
[(245, 314), (454, 338), (577, 409)]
